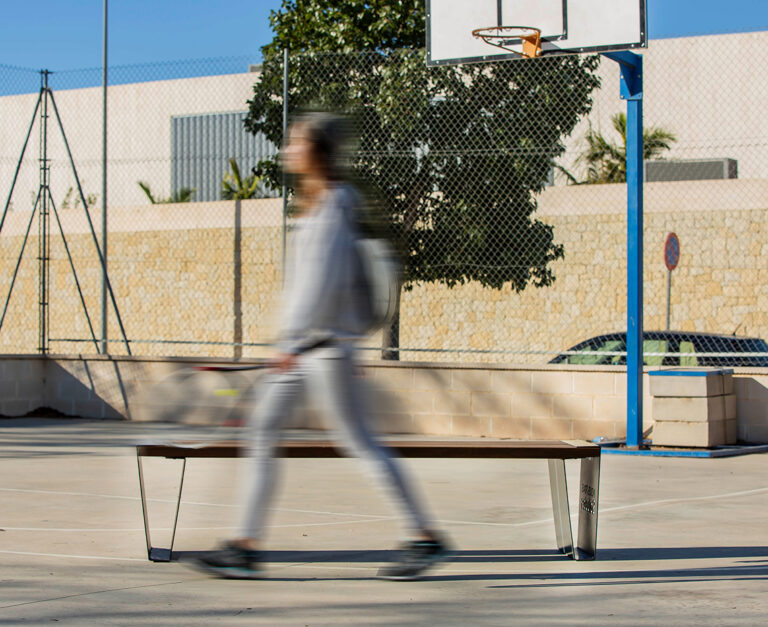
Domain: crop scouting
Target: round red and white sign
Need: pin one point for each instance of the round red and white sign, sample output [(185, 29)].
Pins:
[(671, 251)]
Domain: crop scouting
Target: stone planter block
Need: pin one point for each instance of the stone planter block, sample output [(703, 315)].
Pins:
[(695, 434), (689, 409), (690, 382)]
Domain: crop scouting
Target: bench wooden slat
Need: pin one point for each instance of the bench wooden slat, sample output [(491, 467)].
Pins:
[(468, 449)]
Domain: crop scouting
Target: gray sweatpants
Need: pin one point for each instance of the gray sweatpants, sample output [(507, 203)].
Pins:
[(328, 375)]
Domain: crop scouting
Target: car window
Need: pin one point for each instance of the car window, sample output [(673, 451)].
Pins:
[(759, 346), (607, 346), (750, 346), (682, 349), (654, 346), (687, 354), (709, 344)]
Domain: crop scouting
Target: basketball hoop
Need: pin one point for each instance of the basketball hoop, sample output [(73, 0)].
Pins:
[(505, 36)]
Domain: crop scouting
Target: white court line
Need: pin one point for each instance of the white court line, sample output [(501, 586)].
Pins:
[(604, 510), (686, 499), (455, 522), (136, 559), (103, 496), (446, 567), (495, 524), (339, 522), (78, 557), (310, 511), (183, 502), (85, 529), (141, 529)]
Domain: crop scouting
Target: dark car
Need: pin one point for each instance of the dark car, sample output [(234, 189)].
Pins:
[(683, 348)]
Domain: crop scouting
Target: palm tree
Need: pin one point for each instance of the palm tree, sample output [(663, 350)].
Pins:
[(234, 187), (606, 162)]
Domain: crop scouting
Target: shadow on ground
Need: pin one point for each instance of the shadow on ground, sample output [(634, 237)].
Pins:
[(750, 568), (512, 556)]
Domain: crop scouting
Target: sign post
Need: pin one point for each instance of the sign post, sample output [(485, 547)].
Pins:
[(671, 259)]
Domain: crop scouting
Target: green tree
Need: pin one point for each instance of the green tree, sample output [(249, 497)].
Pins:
[(183, 194), (453, 155), (606, 161), (234, 186)]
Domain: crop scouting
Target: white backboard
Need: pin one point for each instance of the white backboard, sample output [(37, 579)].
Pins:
[(567, 26)]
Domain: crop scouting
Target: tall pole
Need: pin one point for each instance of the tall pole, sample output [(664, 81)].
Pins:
[(635, 273), (669, 296), (285, 134), (43, 255), (104, 348), (631, 66)]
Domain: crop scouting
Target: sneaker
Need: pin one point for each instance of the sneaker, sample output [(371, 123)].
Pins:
[(231, 562), (415, 558)]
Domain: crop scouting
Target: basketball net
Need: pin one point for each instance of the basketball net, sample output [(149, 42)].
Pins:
[(525, 39)]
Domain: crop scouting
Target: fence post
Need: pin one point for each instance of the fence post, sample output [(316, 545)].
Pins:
[(104, 322), (285, 133)]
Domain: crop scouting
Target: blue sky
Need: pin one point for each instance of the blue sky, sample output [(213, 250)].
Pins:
[(63, 35)]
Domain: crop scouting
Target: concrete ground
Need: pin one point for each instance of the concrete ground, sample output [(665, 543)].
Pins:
[(681, 541)]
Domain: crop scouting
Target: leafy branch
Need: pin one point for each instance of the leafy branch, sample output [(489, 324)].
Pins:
[(234, 186), (183, 194)]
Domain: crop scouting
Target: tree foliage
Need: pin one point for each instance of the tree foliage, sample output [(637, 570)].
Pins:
[(606, 161), (451, 156), (455, 155)]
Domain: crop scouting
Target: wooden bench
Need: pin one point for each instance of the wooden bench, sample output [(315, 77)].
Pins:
[(555, 451)]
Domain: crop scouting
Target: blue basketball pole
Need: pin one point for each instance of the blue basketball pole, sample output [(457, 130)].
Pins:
[(631, 66)]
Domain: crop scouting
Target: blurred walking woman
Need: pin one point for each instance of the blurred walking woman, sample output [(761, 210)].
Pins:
[(320, 324)]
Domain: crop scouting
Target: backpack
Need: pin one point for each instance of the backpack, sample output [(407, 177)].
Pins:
[(379, 282)]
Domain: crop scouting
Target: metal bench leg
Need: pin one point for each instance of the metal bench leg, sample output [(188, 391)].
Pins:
[(589, 484), (153, 553), (559, 488)]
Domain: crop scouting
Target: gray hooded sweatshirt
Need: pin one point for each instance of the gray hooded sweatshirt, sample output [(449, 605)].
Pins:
[(323, 280)]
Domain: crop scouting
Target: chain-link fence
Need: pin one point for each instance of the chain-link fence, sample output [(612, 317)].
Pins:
[(502, 185)]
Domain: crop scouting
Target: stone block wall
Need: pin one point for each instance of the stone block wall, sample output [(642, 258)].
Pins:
[(717, 287), (181, 273), (184, 274)]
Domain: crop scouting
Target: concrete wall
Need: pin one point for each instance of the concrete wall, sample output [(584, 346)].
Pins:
[(706, 99), (139, 131), (180, 273), (702, 89), (573, 402)]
